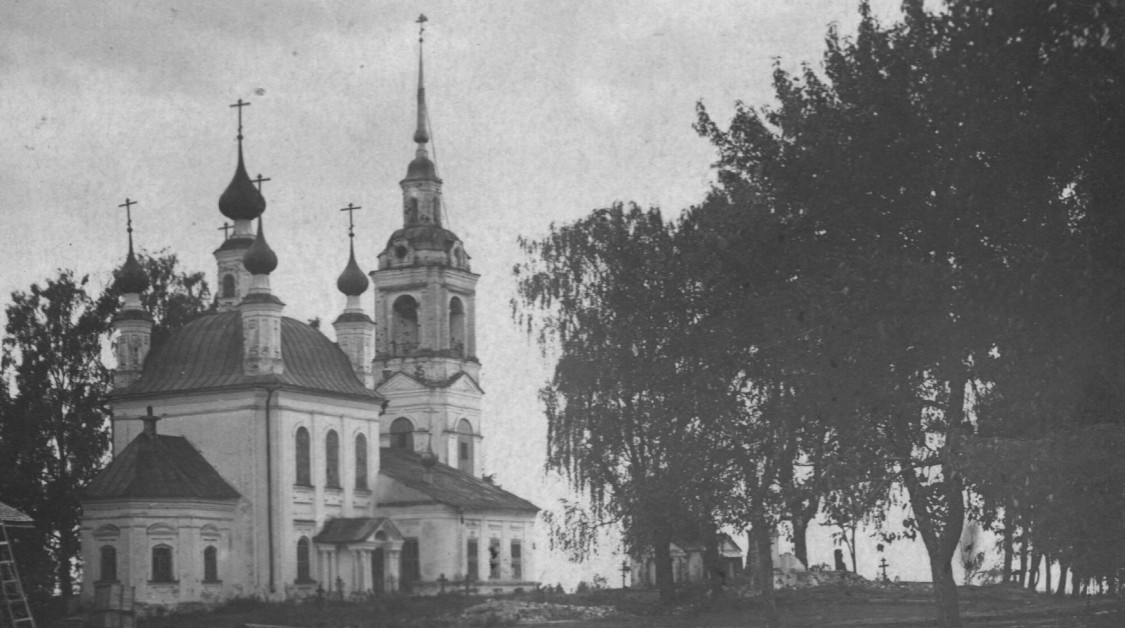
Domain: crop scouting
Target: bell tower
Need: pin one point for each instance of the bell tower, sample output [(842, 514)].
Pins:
[(425, 303)]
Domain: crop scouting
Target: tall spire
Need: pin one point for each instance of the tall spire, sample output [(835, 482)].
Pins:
[(422, 167), (422, 133)]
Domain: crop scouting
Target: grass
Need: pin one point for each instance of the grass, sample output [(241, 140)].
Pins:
[(835, 605)]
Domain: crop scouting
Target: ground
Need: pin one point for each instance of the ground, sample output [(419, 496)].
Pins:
[(847, 605)]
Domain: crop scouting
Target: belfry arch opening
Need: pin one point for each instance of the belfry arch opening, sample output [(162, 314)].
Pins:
[(457, 327), (404, 326), (228, 286)]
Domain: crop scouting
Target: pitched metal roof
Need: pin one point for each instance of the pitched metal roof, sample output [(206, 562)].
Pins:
[(12, 517), (207, 354), (448, 485), (355, 529), (159, 467)]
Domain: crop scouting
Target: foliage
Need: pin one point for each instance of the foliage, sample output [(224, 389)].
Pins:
[(175, 297), (53, 432)]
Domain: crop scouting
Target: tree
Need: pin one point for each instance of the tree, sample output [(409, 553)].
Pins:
[(627, 405), (54, 429), (53, 412)]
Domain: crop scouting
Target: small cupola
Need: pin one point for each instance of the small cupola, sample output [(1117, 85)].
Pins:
[(355, 331), (241, 200), (132, 322), (261, 312)]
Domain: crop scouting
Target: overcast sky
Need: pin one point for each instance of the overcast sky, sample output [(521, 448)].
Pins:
[(541, 112)]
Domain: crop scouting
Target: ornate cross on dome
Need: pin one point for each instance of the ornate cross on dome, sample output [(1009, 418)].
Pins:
[(226, 229), (260, 180), (240, 105), (128, 204), (421, 22), (351, 216)]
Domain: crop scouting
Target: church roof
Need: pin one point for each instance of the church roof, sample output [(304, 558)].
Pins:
[(425, 237), (207, 354), (448, 486), (355, 529), (159, 467)]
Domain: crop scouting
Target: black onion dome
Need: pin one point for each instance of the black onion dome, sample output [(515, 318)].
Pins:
[(260, 258), (241, 200), (422, 168), (352, 281), (131, 278)]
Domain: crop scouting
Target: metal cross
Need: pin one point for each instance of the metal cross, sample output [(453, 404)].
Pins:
[(240, 105), (225, 228), (259, 181), (128, 216), (421, 22), (351, 215)]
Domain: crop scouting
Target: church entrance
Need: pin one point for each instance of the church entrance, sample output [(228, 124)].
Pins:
[(377, 583)]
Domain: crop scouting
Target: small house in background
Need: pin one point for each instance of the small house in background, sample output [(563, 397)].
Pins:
[(687, 562)]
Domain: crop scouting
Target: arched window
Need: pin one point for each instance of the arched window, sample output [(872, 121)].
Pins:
[(228, 286), (162, 564), (108, 563), (457, 326), (402, 434), (405, 326), (361, 462), (303, 560), (332, 460), (304, 476), (210, 564), (465, 446)]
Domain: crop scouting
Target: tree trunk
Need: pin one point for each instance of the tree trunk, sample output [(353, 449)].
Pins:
[(67, 550), (662, 554), (941, 542), (945, 592), (1075, 584), (1062, 580), (800, 540), (1033, 580), (1007, 542), (712, 570), (1024, 575), (1047, 575), (763, 540)]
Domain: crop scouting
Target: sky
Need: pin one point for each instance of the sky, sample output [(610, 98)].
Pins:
[(540, 112)]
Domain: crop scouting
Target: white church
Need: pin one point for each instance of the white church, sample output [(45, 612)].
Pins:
[(275, 462)]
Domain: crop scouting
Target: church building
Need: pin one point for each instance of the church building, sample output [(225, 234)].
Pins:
[(253, 456)]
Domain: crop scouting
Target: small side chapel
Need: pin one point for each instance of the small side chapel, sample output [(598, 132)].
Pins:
[(252, 456)]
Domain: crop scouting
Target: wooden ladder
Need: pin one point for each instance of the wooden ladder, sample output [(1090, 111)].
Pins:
[(16, 612)]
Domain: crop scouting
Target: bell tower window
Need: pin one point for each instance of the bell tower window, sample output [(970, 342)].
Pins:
[(404, 326), (402, 434), (457, 327)]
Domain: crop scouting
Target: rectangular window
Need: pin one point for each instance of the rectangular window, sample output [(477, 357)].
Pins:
[(411, 564), (494, 559), (162, 564), (517, 560), (473, 552)]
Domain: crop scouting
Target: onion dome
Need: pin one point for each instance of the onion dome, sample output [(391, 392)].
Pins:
[(241, 200), (352, 281), (260, 258), (131, 278), (421, 168)]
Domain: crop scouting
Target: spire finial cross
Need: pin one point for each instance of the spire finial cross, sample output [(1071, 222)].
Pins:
[(351, 218), (240, 104), (421, 22), (259, 181), (128, 204), (225, 229)]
